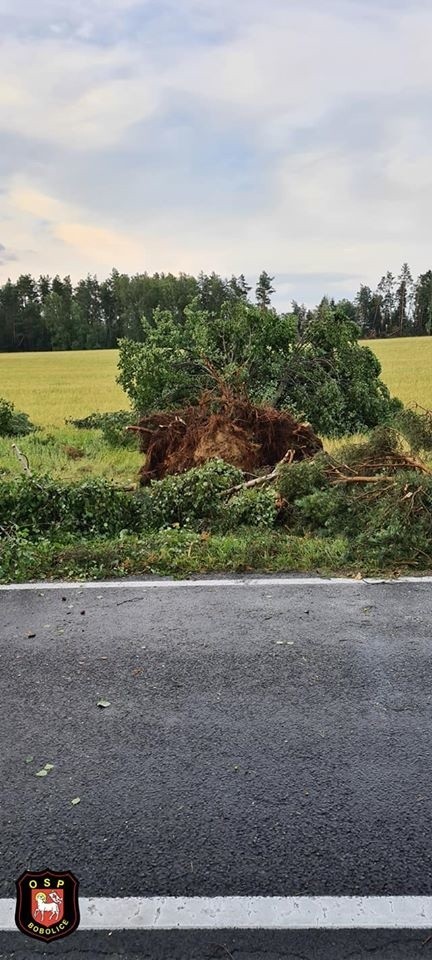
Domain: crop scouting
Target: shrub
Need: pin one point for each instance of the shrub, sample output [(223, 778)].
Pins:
[(193, 499), (381, 442), (36, 506), (250, 508), (112, 426), (390, 523), (12, 422)]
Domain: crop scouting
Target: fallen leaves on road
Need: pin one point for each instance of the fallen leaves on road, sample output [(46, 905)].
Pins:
[(45, 771)]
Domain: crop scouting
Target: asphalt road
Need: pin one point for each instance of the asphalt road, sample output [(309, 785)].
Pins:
[(260, 740)]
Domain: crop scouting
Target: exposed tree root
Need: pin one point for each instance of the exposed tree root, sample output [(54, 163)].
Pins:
[(222, 426)]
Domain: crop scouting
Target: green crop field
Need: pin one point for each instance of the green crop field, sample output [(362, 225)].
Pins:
[(52, 387)]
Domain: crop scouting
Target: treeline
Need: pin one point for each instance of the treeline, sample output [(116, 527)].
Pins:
[(54, 314), (398, 307)]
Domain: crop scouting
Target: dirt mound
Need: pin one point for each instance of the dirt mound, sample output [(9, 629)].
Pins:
[(222, 426)]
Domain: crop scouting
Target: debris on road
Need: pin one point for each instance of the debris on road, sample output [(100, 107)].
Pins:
[(45, 771)]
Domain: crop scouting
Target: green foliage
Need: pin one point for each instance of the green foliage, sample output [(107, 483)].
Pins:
[(380, 442), (37, 506), (333, 381), (250, 508), (378, 526), (416, 427), (92, 422), (384, 523), (13, 423), (264, 290), (392, 527), (165, 371), (192, 499), (301, 479), (423, 304), (325, 376), (113, 427), (243, 343)]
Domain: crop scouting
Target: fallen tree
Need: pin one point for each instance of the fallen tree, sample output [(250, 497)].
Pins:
[(226, 426), (322, 375)]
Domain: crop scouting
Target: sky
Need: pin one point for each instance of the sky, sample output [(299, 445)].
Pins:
[(293, 136)]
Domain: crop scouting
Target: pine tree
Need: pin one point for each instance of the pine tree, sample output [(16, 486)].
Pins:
[(404, 297), (264, 290), (386, 289)]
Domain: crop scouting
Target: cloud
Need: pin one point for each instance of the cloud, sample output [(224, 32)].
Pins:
[(215, 135), (6, 256), (72, 96), (63, 230)]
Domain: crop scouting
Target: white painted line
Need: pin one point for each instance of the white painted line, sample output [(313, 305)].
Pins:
[(258, 913), (177, 584)]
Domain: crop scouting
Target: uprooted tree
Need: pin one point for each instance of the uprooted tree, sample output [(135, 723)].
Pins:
[(224, 425), (322, 375)]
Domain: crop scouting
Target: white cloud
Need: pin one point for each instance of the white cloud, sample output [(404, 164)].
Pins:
[(72, 95), (289, 80)]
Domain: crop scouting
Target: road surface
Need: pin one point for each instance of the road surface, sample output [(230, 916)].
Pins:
[(263, 739)]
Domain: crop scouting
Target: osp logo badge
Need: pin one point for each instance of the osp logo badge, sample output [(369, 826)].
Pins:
[(47, 904)]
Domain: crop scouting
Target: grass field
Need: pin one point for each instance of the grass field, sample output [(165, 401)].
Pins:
[(407, 368), (52, 387)]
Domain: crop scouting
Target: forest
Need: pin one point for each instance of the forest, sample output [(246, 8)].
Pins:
[(54, 314)]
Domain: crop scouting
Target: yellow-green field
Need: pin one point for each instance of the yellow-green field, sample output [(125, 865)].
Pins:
[(407, 368), (52, 387)]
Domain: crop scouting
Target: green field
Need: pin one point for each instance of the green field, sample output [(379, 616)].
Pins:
[(52, 387)]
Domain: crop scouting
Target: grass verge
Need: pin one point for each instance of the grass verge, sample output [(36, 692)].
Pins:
[(177, 553)]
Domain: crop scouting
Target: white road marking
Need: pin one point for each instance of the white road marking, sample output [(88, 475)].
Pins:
[(268, 913), (177, 584)]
